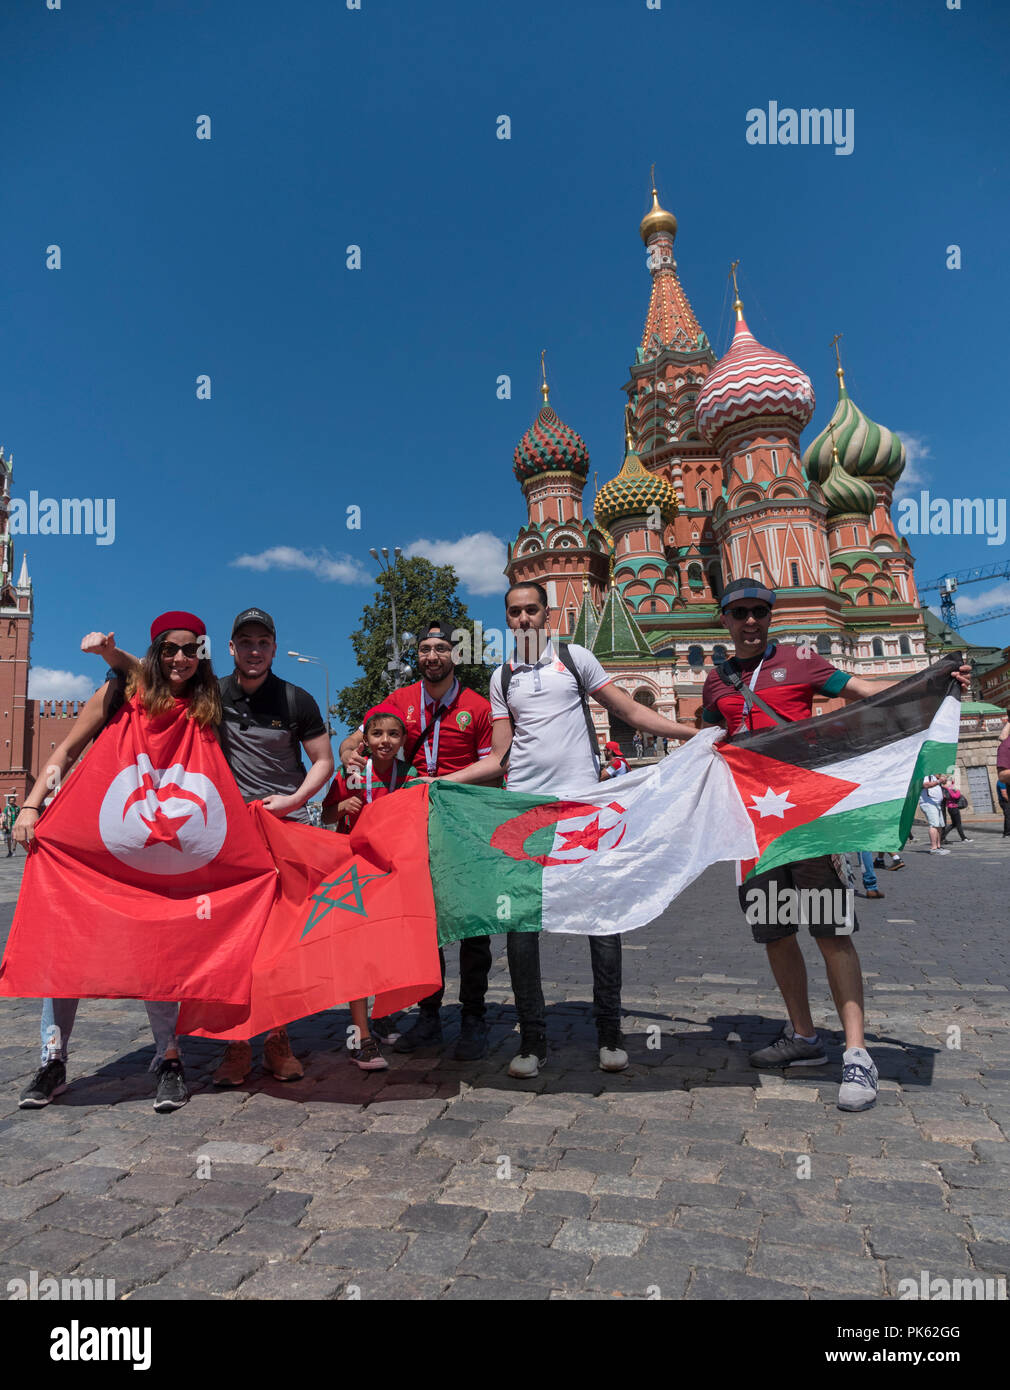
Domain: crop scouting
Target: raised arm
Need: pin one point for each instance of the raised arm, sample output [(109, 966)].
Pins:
[(103, 644), (640, 716)]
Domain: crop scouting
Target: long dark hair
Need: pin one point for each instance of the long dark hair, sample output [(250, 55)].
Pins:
[(156, 693)]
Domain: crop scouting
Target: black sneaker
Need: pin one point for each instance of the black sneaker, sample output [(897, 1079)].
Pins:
[(426, 1032), (369, 1055), (48, 1081), (472, 1043), (385, 1029), (172, 1091), (789, 1051)]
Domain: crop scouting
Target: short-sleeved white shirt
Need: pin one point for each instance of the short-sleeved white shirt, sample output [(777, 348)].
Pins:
[(551, 751)]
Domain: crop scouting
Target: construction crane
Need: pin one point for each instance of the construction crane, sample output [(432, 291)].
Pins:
[(948, 585)]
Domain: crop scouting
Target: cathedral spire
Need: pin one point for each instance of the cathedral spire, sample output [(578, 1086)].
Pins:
[(670, 321)]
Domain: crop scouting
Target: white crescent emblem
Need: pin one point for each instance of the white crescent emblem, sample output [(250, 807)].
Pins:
[(162, 820)]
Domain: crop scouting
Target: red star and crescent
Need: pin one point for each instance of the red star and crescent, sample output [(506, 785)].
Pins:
[(164, 829)]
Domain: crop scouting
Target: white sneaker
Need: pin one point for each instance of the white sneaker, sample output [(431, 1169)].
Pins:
[(613, 1059), (939, 851), (532, 1055), (858, 1090)]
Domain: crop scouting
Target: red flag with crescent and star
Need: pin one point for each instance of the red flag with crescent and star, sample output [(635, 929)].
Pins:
[(354, 917), (147, 878)]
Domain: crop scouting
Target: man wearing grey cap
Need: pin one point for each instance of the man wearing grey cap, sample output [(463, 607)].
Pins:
[(785, 680)]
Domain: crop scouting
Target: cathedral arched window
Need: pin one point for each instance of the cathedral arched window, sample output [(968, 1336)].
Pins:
[(823, 644), (904, 646), (695, 578), (748, 465), (794, 574), (878, 647), (703, 498)]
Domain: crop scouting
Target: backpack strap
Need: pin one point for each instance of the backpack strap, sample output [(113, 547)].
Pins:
[(750, 699), (506, 680), (565, 655)]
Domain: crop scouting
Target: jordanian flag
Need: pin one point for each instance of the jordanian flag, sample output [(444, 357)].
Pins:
[(849, 780), (611, 856)]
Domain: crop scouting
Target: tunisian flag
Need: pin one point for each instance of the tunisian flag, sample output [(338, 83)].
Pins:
[(354, 917), (147, 878)]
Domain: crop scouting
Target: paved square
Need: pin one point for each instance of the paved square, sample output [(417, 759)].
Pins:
[(689, 1175)]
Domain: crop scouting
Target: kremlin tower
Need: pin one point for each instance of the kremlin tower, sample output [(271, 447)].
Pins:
[(714, 487)]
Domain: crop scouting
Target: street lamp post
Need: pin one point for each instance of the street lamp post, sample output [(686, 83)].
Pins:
[(315, 661), (396, 668)]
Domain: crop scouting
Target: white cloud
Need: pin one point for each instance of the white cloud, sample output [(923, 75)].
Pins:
[(339, 569), (971, 602), (479, 560), (46, 684), (917, 451)]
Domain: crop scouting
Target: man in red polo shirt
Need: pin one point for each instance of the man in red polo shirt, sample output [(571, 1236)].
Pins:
[(448, 728), (787, 679)]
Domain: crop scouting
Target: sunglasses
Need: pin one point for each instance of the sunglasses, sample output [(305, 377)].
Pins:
[(760, 611), (189, 649)]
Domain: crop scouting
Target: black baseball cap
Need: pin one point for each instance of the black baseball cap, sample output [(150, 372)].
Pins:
[(254, 615), (436, 627), (746, 588)]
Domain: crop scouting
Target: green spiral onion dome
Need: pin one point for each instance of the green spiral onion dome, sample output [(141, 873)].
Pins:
[(549, 446), (846, 492), (866, 449), (634, 491)]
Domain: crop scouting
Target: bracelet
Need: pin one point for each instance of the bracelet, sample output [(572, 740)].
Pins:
[(30, 808)]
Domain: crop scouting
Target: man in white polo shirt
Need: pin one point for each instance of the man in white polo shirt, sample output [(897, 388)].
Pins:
[(542, 712), (931, 801)]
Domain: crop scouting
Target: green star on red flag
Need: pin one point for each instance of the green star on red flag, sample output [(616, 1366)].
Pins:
[(351, 900)]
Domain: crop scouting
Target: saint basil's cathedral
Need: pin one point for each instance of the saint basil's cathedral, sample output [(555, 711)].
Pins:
[(714, 487)]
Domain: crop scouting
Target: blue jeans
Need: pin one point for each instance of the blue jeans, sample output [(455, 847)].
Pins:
[(869, 875), (524, 967), (58, 1017)]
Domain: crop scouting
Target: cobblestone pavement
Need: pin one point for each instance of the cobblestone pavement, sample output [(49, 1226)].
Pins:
[(683, 1177)]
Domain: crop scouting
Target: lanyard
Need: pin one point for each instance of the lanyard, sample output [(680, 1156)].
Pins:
[(438, 710), (368, 780), (751, 683)]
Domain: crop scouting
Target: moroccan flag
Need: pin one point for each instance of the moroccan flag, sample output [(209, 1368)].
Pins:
[(354, 917), (147, 879), (611, 856), (858, 770)]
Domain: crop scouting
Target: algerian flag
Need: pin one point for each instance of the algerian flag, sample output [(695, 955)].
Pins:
[(612, 855)]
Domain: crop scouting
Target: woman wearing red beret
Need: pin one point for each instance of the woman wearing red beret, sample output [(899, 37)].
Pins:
[(175, 670)]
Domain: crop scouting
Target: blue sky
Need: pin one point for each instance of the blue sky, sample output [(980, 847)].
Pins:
[(375, 387)]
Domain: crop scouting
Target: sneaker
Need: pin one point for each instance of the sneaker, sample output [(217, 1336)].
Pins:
[(532, 1055), (472, 1043), (50, 1080), (874, 893), (878, 863), (967, 840), (279, 1059), (172, 1091), (369, 1055), (789, 1051), (939, 851), (426, 1032), (858, 1090), (612, 1055), (385, 1029), (898, 863), (235, 1065)]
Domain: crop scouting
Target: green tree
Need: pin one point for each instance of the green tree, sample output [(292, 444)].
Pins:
[(422, 592)]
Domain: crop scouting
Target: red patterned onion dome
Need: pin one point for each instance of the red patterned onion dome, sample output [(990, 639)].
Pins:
[(549, 446), (752, 381)]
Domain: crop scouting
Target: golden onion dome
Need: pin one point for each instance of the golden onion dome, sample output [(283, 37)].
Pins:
[(635, 491), (657, 219)]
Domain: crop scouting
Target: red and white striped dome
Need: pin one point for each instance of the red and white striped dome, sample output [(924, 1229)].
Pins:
[(751, 381)]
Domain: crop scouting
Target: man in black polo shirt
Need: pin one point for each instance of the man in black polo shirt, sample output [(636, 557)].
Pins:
[(266, 724)]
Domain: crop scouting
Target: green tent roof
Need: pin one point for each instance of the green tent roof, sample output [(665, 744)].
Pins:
[(618, 634)]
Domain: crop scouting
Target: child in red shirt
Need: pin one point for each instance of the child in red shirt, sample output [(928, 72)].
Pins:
[(384, 734)]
